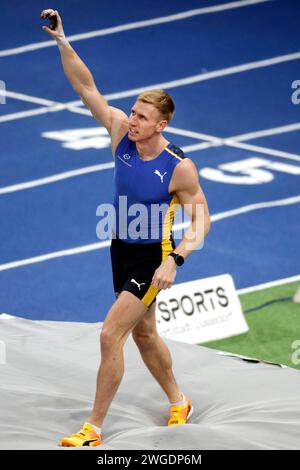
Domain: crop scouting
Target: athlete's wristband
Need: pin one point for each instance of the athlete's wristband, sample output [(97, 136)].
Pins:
[(62, 41)]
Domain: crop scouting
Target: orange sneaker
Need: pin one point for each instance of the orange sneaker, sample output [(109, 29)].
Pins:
[(180, 414), (87, 436)]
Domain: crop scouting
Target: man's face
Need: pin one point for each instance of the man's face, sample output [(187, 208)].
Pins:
[(144, 121)]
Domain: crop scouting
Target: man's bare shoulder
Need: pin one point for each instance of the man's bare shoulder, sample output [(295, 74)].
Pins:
[(185, 174), (119, 116), (119, 127)]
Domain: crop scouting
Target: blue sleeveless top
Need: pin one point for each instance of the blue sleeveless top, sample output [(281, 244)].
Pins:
[(143, 204)]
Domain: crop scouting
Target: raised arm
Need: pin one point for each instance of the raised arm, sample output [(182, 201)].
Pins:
[(81, 79)]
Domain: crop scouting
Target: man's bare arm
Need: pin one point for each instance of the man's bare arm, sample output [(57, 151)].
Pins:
[(185, 183), (191, 197), (81, 79)]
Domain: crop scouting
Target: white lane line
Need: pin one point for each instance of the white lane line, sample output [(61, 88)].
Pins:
[(256, 206), (211, 142), (234, 141), (90, 169), (57, 177), (193, 134), (202, 77), (266, 132), (48, 106), (242, 210), (106, 243), (171, 84), (42, 110), (75, 105), (28, 98), (202, 146), (267, 285), (237, 141), (56, 254), (23, 114), (208, 75), (134, 25), (259, 149)]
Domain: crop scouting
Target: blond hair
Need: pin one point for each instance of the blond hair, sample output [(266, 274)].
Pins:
[(161, 100)]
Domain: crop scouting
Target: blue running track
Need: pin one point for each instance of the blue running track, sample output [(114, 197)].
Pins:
[(241, 60)]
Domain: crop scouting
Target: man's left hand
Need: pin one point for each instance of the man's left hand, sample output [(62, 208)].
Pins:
[(165, 274)]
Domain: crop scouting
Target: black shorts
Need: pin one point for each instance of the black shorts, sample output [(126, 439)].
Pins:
[(134, 264)]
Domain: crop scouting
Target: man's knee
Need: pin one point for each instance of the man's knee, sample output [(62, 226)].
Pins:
[(122, 317), (111, 335), (144, 339), (107, 338)]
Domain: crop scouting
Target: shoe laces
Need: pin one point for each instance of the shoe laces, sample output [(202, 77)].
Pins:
[(175, 412), (82, 433)]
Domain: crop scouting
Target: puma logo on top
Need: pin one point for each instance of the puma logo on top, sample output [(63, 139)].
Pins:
[(139, 285), (160, 175)]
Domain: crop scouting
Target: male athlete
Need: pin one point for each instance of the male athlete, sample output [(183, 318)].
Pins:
[(148, 170)]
